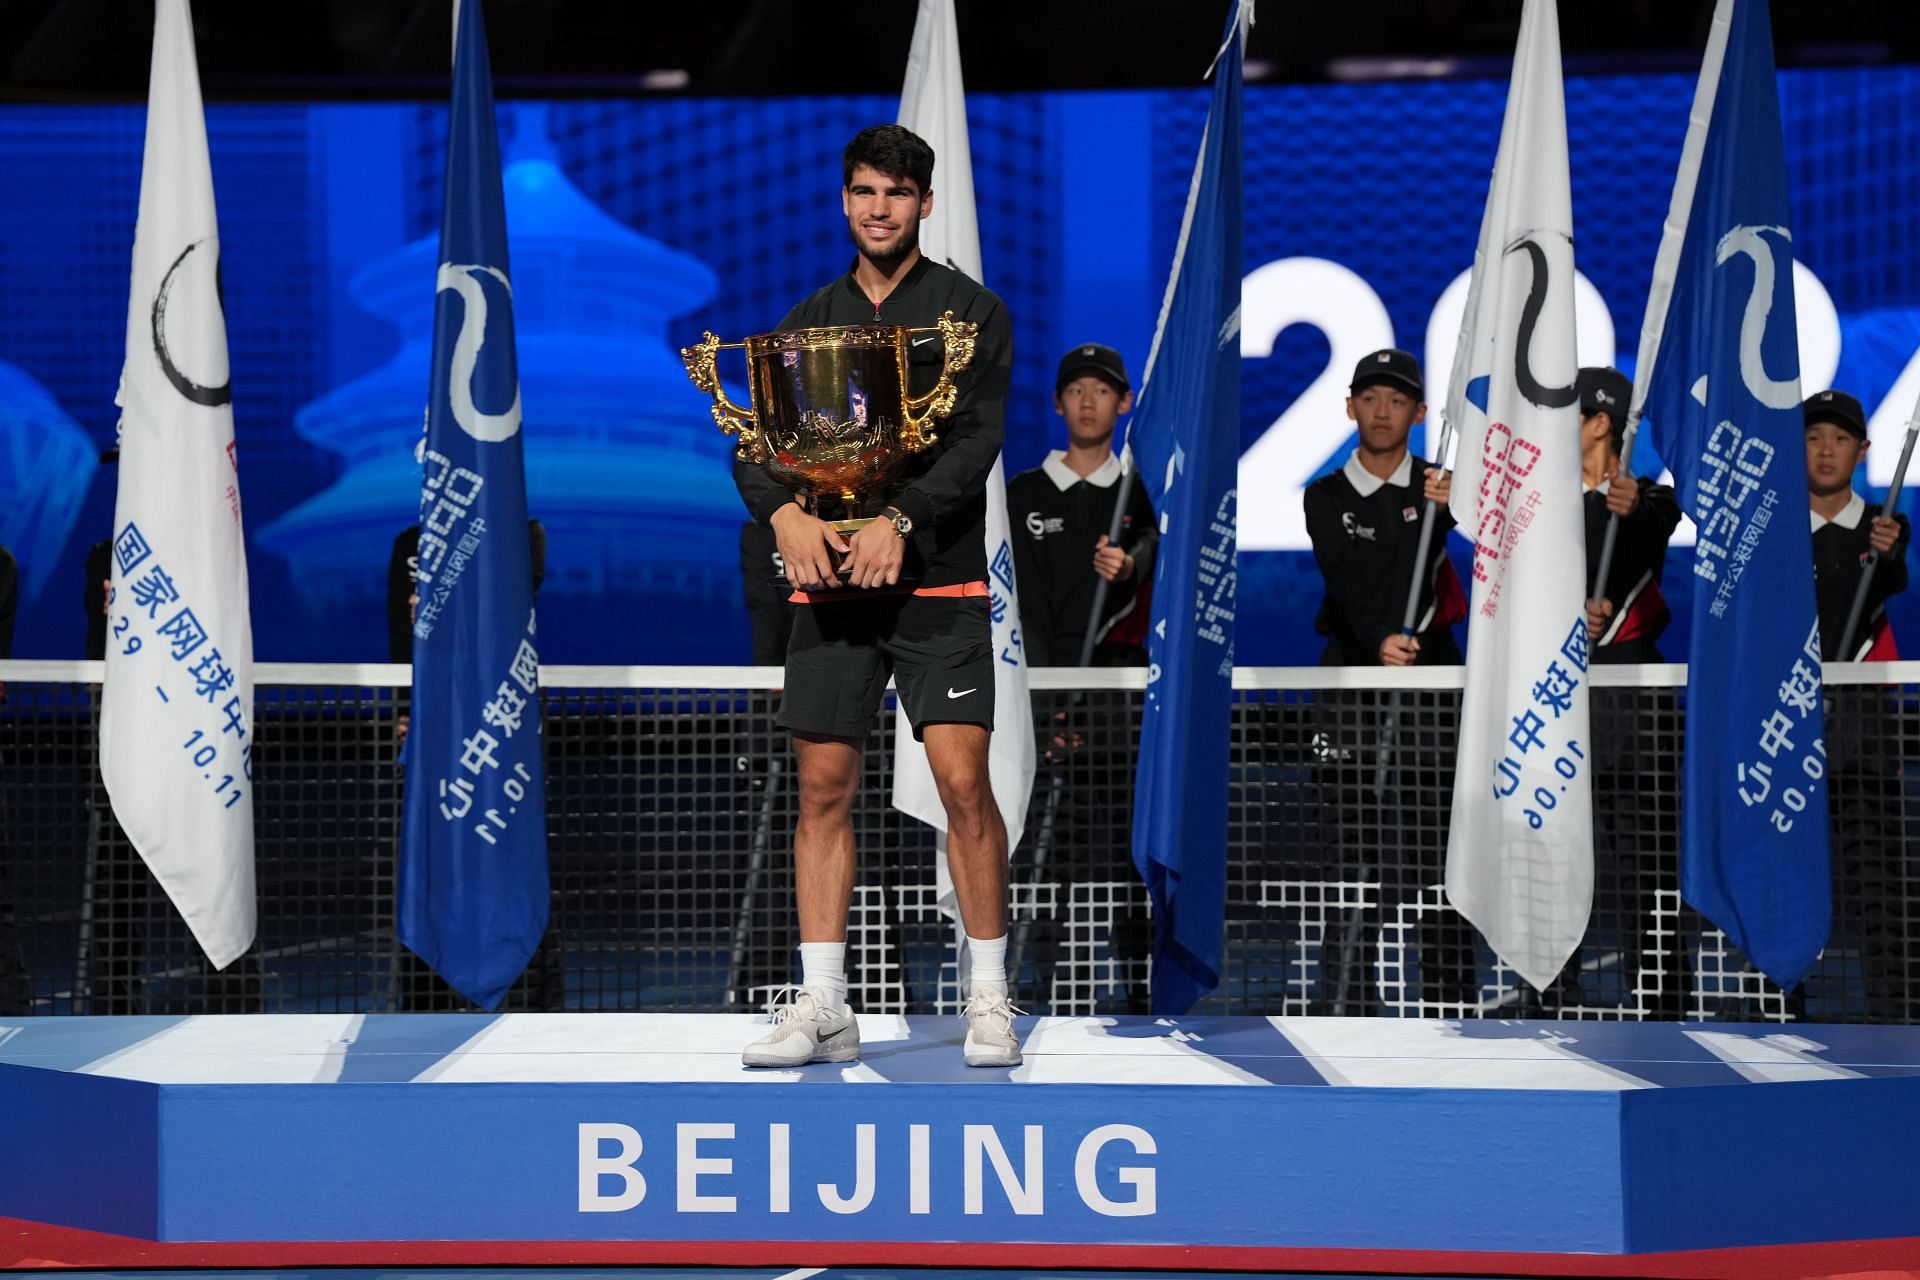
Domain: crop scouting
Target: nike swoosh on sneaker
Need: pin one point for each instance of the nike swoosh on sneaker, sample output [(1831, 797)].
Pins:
[(963, 692)]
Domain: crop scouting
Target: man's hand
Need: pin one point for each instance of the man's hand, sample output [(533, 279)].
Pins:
[(807, 547), (1399, 650), (1623, 494), (875, 560), (1885, 532), (1599, 614), (1065, 741), (1110, 562), (1438, 485)]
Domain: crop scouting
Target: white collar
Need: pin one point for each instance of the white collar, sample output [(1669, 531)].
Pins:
[(1848, 518), (1065, 477), (1586, 488), (1368, 483)]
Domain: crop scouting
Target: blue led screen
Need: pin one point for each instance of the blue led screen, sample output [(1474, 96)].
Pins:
[(636, 225)]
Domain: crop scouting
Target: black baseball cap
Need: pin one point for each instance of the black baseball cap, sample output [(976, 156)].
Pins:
[(1091, 357), (1839, 408), (1604, 390), (1391, 366)]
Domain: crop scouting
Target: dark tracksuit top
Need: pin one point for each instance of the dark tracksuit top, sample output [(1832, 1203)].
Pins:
[(943, 490), (1840, 550), (1057, 518), (1640, 612), (1365, 534)]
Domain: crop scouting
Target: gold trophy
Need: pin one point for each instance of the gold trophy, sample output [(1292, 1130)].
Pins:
[(832, 417)]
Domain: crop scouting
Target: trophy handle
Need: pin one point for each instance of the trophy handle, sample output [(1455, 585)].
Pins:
[(958, 337), (701, 365)]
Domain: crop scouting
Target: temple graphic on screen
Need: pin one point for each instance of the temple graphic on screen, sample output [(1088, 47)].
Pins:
[(624, 467)]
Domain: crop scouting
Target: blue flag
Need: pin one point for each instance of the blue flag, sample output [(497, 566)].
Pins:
[(1185, 441), (1723, 403), (473, 859)]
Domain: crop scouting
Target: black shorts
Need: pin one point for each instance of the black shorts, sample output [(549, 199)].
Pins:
[(938, 649)]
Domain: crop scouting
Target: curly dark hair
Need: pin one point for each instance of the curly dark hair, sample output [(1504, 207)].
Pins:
[(892, 150)]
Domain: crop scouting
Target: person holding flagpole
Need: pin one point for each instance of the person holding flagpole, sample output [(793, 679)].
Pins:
[(1624, 626), (1849, 533), (1625, 623), (1070, 570), (1363, 521), (905, 597), (1066, 505), (1847, 529)]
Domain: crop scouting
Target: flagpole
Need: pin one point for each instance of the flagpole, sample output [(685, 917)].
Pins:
[(1088, 641), (1426, 535), (1765, 880), (1859, 606), (1627, 439), (1666, 262)]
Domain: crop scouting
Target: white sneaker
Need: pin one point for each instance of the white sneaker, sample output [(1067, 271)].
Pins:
[(990, 1038), (805, 1029)]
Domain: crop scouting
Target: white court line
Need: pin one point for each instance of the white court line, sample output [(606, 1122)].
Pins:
[(1771, 1059), (804, 1273), (1423, 1053), (1078, 1050), (260, 1048)]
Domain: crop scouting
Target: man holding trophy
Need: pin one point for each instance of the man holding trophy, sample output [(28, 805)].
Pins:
[(878, 410)]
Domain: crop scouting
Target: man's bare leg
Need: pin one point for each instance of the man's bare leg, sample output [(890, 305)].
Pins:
[(823, 839), (976, 836), (977, 856), (817, 1025)]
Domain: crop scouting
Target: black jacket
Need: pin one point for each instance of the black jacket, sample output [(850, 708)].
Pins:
[(1054, 532), (1365, 545), (403, 560), (944, 489), (1839, 559), (1640, 611), (94, 598), (769, 614)]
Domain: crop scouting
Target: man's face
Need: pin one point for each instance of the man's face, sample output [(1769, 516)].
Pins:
[(884, 214), (1385, 415), (1091, 405), (1595, 427), (1832, 454)]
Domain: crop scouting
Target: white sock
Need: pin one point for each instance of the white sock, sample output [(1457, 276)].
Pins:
[(823, 966), (989, 957)]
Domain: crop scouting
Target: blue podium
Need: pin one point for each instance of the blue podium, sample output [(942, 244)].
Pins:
[(1520, 1147)]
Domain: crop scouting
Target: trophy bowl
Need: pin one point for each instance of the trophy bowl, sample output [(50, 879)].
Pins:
[(833, 418)]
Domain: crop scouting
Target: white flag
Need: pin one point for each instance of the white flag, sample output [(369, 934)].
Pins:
[(176, 722), (1520, 849), (934, 105)]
